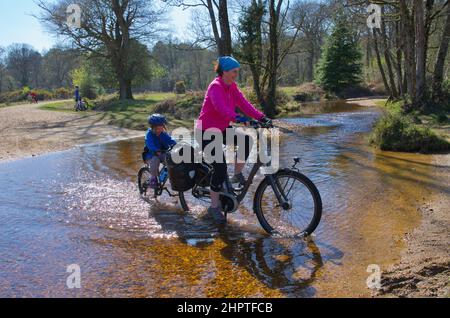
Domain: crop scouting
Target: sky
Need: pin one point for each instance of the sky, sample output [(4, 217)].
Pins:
[(17, 24)]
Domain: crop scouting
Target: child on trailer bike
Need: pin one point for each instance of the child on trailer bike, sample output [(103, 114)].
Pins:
[(157, 143)]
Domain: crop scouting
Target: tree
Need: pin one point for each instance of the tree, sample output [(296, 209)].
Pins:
[(409, 36), (2, 68), (57, 64), (340, 64), (312, 18), (23, 64), (250, 47), (421, 49), (86, 81), (281, 36), (175, 61), (218, 19), (108, 29), (438, 74)]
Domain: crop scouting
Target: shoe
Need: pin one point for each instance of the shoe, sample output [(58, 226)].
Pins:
[(217, 215), (153, 183), (238, 178)]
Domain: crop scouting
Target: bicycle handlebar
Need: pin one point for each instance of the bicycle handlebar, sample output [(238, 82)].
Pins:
[(264, 125)]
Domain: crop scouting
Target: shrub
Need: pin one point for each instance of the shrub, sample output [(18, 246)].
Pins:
[(43, 94), (104, 102), (282, 98), (180, 88), (13, 96), (63, 93), (181, 108), (309, 92), (396, 132)]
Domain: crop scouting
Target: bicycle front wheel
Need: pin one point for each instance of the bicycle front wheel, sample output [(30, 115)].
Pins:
[(305, 211)]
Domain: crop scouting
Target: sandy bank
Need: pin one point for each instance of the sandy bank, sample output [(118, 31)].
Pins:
[(28, 131)]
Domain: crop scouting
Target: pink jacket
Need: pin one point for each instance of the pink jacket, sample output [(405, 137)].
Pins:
[(219, 107)]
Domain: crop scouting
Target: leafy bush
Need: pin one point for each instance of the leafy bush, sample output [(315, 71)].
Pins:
[(180, 88), (396, 132)]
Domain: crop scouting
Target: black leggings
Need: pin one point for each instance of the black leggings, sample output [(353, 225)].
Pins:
[(220, 168)]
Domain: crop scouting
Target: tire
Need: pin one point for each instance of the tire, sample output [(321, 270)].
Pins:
[(311, 193), (142, 179)]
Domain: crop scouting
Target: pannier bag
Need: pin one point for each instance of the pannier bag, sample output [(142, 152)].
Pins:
[(182, 175)]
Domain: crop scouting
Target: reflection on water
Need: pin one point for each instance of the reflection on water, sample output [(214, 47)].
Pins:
[(82, 207)]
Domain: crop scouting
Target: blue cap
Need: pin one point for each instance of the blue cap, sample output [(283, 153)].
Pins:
[(228, 63)]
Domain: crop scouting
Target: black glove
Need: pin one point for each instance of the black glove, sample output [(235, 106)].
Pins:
[(267, 122)]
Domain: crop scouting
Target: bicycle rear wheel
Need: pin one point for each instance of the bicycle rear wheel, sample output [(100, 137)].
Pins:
[(143, 181), (304, 214)]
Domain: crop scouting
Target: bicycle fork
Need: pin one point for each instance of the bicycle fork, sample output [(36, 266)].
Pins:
[(279, 192)]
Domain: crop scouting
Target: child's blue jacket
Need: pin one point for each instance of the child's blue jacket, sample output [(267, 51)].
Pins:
[(155, 143)]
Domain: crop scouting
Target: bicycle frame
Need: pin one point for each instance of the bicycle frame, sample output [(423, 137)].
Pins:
[(242, 193)]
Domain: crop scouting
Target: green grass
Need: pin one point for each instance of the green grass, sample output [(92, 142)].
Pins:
[(63, 106), (133, 114)]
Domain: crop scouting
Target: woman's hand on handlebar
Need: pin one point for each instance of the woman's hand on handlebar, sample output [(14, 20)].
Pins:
[(266, 122)]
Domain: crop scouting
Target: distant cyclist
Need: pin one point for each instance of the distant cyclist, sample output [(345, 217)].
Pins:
[(78, 100), (34, 99)]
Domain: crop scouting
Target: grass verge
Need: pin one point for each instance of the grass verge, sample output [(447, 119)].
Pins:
[(133, 114)]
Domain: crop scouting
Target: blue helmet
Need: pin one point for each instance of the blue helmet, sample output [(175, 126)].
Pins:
[(157, 120)]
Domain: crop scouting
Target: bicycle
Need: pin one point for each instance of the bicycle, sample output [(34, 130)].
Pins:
[(80, 106), (274, 201), (144, 176)]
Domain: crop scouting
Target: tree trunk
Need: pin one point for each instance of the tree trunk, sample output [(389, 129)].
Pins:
[(387, 58), (125, 91), (420, 53), (438, 74), (224, 22), (407, 29), (222, 38), (273, 58), (380, 64), (399, 58)]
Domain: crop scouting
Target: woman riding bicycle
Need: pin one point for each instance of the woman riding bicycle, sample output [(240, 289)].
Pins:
[(218, 111)]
